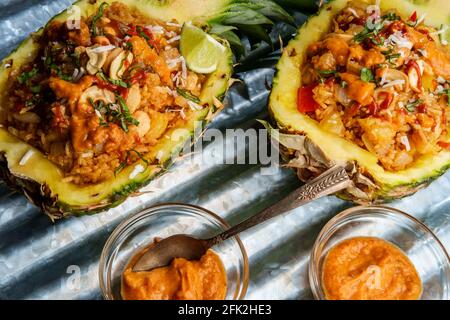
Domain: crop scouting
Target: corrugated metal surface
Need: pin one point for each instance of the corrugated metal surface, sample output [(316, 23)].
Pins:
[(40, 260)]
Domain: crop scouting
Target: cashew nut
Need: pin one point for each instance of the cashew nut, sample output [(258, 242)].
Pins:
[(393, 74), (119, 65), (111, 56), (144, 123), (134, 98), (96, 60), (94, 94)]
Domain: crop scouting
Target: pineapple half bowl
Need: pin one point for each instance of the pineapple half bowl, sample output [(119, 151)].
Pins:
[(310, 148), (45, 184)]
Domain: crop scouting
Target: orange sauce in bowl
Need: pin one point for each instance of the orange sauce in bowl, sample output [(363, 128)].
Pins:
[(203, 279), (368, 268)]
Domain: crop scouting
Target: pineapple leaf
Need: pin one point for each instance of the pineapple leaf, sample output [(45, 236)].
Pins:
[(220, 28), (240, 15), (270, 9), (256, 32)]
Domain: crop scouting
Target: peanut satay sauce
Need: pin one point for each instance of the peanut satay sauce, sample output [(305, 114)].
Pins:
[(368, 268)]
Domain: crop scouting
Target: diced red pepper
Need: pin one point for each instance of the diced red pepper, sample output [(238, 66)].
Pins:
[(444, 145), (373, 108), (413, 17), (138, 76), (422, 108), (305, 100)]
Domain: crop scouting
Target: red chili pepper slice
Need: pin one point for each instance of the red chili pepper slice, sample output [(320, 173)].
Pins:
[(105, 85), (305, 100), (413, 17), (387, 100)]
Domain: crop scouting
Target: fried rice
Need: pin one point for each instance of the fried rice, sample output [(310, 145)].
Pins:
[(101, 92), (381, 82)]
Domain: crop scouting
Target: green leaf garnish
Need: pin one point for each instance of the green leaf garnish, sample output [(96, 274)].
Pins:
[(411, 107), (367, 75), (390, 16), (124, 163), (119, 83), (96, 17), (25, 77), (369, 32), (187, 95)]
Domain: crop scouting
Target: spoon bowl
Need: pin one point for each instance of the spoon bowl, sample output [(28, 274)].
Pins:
[(164, 251)]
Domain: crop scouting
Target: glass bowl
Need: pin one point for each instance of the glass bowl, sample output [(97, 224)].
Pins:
[(416, 240), (162, 221)]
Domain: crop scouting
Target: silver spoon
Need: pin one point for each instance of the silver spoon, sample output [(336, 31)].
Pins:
[(184, 246)]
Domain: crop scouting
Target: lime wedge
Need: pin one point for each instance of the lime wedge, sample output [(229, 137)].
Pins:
[(201, 51)]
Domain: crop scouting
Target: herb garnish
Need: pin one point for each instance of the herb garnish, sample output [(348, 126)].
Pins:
[(366, 75), (144, 35), (323, 74), (370, 32), (97, 16), (411, 107), (390, 56), (118, 83), (390, 16), (187, 95), (124, 115), (116, 113), (124, 163), (327, 72), (25, 77)]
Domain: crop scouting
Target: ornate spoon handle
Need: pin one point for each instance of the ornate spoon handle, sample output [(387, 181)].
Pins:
[(329, 182)]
